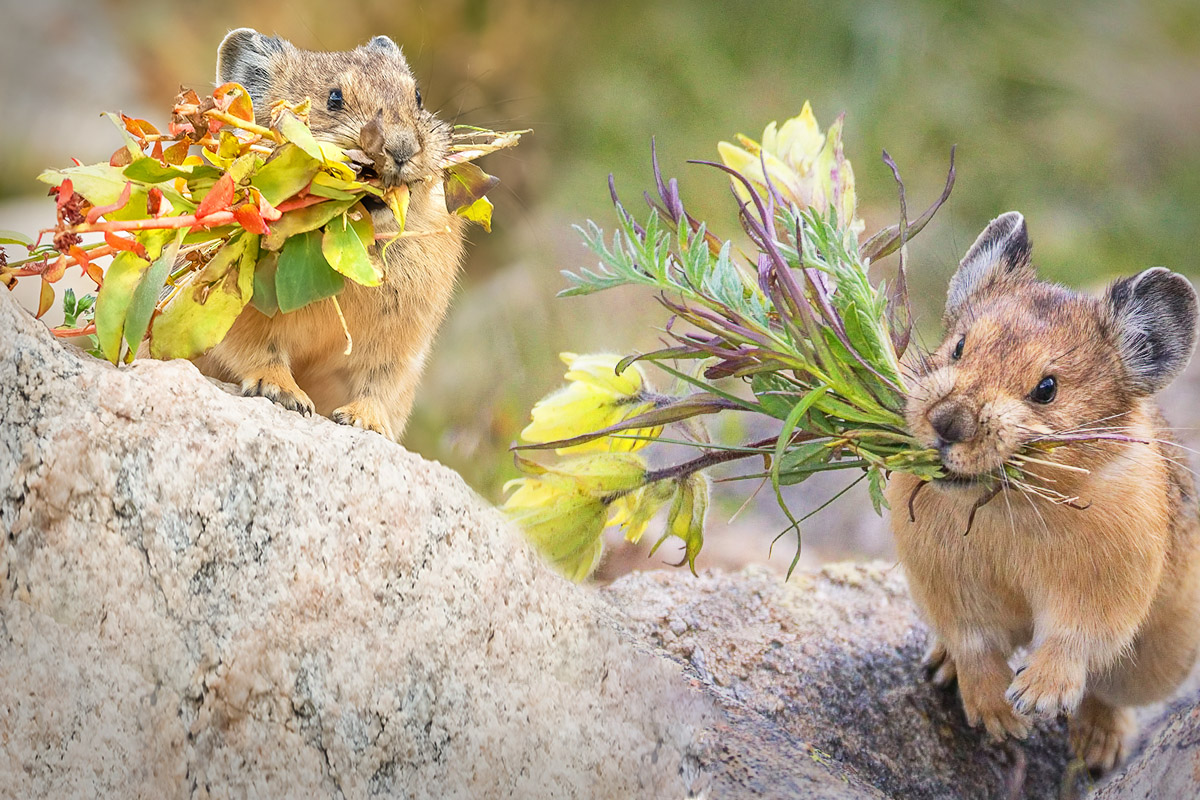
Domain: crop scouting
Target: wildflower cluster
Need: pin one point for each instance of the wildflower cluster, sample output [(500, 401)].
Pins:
[(816, 345), (267, 216)]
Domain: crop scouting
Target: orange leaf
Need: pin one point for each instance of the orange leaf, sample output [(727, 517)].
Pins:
[(240, 106), (81, 257), (95, 273), (55, 271), (218, 198), (99, 211), (248, 217), (157, 152), (46, 299), (138, 127), (120, 158), (176, 153), (124, 243)]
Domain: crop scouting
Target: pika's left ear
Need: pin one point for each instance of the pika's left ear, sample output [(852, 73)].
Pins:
[(1154, 314), (1000, 253), (384, 44)]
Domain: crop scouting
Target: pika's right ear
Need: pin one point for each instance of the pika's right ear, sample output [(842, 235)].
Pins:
[(1001, 252), (1154, 315), (245, 57)]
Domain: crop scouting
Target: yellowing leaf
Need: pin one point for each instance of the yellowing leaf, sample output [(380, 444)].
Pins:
[(200, 315), (288, 171), (466, 184), (480, 211), (304, 219), (299, 134)]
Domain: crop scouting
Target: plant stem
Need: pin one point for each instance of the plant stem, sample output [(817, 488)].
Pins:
[(715, 457)]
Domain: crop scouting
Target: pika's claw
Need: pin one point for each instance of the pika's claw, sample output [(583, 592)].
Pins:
[(1046, 690), (367, 416), (291, 397)]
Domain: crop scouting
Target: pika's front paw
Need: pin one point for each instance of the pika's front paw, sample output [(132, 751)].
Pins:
[(364, 415), (1099, 732), (1046, 689), (291, 397), (998, 718)]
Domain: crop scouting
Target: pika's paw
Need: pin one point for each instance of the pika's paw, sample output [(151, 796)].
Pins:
[(364, 415), (1098, 734), (940, 664), (291, 397), (981, 687), (1046, 689)]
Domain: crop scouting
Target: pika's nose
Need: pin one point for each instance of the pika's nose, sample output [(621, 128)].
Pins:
[(953, 423), (401, 150)]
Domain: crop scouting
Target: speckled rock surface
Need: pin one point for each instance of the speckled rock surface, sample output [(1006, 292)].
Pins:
[(1168, 765), (832, 659), (204, 596)]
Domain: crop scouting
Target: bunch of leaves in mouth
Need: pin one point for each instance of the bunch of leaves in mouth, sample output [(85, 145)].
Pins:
[(796, 320), (268, 216)]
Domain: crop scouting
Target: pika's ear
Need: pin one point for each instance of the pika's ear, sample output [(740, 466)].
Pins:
[(1154, 315), (1001, 252), (244, 57), (384, 44)]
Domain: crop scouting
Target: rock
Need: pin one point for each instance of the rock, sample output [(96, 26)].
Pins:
[(203, 595), (1169, 764), (832, 659)]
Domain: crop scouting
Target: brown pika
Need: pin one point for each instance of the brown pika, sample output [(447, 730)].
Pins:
[(364, 99), (1092, 560)]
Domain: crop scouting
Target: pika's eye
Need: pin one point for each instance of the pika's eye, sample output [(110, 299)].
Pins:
[(1045, 390), (334, 103), (419, 98), (958, 348)]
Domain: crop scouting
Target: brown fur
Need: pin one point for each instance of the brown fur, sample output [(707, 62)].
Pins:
[(298, 359), (1106, 595)]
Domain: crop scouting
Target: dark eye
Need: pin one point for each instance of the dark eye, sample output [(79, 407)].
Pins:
[(334, 103), (958, 348), (418, 98), (1045, 390)]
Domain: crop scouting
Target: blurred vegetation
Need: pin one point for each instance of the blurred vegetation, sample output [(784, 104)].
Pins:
[(1085, 116)]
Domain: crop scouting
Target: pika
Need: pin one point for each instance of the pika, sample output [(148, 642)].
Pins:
[(363, 99), (1097, 569)]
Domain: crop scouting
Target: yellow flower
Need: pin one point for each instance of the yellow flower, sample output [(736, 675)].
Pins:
[(804, 166), (564, 525), (633, 511), (596, 398)]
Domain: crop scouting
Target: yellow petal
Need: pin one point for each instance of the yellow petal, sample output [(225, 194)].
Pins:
[(599, 370), (800, 140)]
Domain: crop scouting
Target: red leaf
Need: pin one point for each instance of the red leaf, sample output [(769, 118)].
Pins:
[(124, 243), (65, 190), (218, 198), (248, 217), (154, 201), (157, 152), (99, 211), (265, 210), (77, 162)]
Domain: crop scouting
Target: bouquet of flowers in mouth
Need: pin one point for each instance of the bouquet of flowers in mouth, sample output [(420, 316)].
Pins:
[(262, 215), (796, 320)]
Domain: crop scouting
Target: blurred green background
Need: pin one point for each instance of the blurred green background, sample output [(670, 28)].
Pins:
[(1083, 115)]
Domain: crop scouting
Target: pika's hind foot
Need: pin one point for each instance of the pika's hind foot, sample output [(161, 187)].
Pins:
[(277, 385), (939, 664), (1098, 734), (365, 415)]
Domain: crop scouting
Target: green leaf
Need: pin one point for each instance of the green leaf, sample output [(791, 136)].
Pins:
[(299, 134), (15, 237), (264, 298), (101, 185), (304, 219), (145, 295), (345, 243), (766, 387), (120, 280), (151, 170), (875, 483), (303, 275), (200, 315), (288, 171)]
